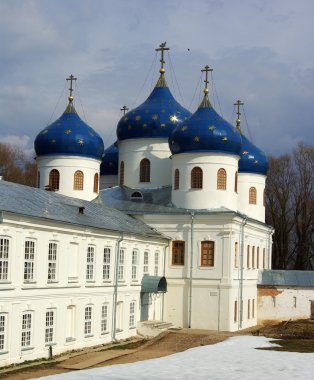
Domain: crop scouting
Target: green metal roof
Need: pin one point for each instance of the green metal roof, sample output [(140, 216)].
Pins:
[(154, 284)]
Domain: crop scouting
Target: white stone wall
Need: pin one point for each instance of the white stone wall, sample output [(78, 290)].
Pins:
[(132, 151), (67, 166), (214, 289), (245, 182), (279, 303), (209, 196), (71, 287)]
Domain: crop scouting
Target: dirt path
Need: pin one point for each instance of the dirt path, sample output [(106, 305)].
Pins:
[(164, 345)]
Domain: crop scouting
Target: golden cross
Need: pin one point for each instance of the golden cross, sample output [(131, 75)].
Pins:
[(238, 103), (162, 48), (206, 69), (71, 79), (124, 109)]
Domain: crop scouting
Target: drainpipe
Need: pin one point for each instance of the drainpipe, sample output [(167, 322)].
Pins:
[(191, 269), (164, 274), (115, 290), (269, 248), (244, 222)]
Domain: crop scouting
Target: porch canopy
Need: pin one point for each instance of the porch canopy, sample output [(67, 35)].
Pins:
[(154, 284)]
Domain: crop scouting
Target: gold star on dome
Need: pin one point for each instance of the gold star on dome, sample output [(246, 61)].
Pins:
[(225, 139), (67, 131), (162, 125), (184, 128), (256, 162), (45, 131), (211, 127), (155, 117), (245, 152), (144, 125), (80, 142), (138, 117), (173, 118), (53, 141), (129, 126), (196, 139)]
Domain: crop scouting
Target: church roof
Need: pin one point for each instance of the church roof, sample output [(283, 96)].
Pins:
[(32, 202), (69, 135), (155, 118), (110, 161), (272, 277), (252, 160), (205, 131)]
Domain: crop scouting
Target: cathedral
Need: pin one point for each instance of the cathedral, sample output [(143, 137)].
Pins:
[(167, 224)]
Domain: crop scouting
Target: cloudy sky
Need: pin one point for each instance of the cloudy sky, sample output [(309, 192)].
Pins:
[(262, 52)]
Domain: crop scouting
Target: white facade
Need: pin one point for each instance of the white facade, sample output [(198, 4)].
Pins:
[(248, 183), (156, 150), (59, 289), (67, 166), (107, 181), (209, 195)]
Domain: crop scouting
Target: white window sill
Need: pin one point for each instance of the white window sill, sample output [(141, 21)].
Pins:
[(27, 349)]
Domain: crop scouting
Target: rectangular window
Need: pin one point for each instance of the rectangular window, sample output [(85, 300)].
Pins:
[(134, 264), (207, 253), (52, 262), (90, 262), (236, 255), (248, 309), (132, 315), (156, 267), (178, 252), (4, 259), (146, 263), (49, 331), (2, 332), (29, 260), (104, 319), (235, 311), (26, 330), (88, 321), (257, 258), (106, 264), (253, 257), (121, 265), (253, 308), (248, 257)]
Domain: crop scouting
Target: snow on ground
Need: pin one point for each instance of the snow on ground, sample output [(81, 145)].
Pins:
[(235, 358)]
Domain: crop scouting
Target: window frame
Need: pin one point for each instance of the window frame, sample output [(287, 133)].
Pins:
[(121, 263), (236, 182), (146, 263), (54, 179), (52, 261), (96, 183), (27, 330), (236, 255), (207, 254), (5, 243), (221, 179), (88, 321), (50, 323), (145, 170), (252, 195), (3, 331), (121, 174), (90, 263), (178, 258), (134, 270), (78, 180), (104, 318), (29, 262), (132, 315), (156, 263), (106, 266), (196, 178), (176, 182)]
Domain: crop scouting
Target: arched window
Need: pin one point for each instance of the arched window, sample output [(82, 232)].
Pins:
[(196, 178), (221, 179), (54, 179), (236, 182), (78, 180), (252, 196), (145, 170), (176, 179), (137, 195), (121, 173), (96, 180)]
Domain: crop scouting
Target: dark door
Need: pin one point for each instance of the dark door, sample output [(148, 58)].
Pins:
[(144, 306)]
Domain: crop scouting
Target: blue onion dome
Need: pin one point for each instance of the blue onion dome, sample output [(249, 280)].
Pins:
[(69, 135), (157, 116), (252, 159), (110, 160), (205, 131)]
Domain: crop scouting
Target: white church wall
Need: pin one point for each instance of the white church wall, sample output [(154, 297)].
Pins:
[(209, 196), (78, 284), (245, 182), (107, 181), (280, 303), (67, 166), (156, 150)]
